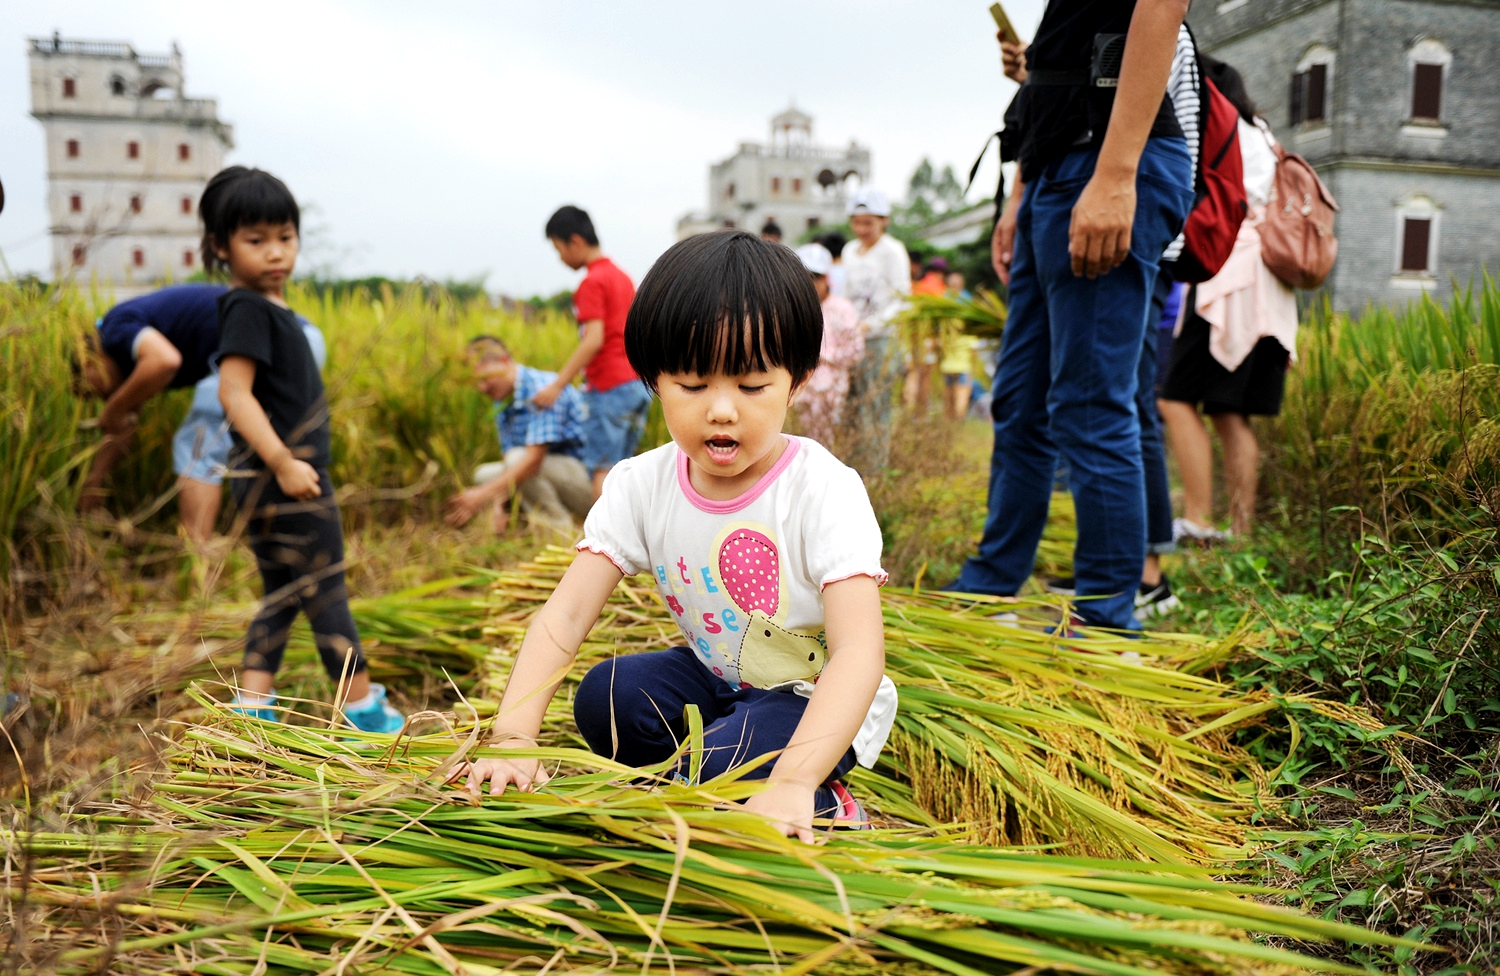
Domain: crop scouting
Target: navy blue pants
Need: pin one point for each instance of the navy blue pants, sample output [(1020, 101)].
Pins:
[(1067, 382), (631, 708)]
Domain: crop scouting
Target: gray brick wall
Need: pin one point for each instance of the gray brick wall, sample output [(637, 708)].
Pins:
[(1369, 162), (1468, 233)]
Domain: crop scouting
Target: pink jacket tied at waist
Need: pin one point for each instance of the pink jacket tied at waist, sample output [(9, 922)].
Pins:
[(1245, 302)]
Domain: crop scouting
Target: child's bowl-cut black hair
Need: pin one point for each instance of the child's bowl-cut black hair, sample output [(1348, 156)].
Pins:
[(237, 197), (570, 220), (726, 302)]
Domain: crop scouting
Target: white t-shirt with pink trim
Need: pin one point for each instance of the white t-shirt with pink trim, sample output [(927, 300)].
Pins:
[(744, 578)]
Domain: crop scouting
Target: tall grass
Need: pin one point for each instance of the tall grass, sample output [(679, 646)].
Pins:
[(404, 412), (1393, 417)]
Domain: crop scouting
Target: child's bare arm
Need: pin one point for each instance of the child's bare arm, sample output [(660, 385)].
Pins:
[(847, 686), (236, 378), (547, 652), (589, 344)]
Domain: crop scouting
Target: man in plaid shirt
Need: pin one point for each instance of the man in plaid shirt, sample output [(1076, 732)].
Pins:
[(541, 445)]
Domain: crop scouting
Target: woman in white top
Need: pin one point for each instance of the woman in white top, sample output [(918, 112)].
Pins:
[(1233, 346), (877, 279)]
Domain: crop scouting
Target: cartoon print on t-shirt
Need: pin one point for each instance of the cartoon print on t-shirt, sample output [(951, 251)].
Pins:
[(771, 655), (750, 571)]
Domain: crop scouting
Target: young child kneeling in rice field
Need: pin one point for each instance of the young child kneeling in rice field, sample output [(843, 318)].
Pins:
[(272, 394), (764, 547)]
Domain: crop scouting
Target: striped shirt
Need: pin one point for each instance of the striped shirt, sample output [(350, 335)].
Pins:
[(1182, 88)]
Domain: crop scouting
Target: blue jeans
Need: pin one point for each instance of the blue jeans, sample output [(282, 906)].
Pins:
[(1067, 382), (631, 707), (616, 420), (1153, 452)]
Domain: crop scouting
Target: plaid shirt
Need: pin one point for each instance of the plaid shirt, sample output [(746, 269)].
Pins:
[(522, 423)]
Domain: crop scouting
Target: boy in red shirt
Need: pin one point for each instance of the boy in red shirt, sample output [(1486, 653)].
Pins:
[(617, 401)]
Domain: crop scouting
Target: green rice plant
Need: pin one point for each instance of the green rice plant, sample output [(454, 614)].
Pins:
[(982, 315), (406, 421), (1101, 746), (277, 849), (1393, 414)]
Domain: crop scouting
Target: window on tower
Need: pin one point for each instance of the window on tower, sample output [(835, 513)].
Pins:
[(184, 152), (187, 259), (1312, 87), (775, 184), (187, 205), (72, 148), (70, 88), (133, 149), (135, 204), (1416, 239), (1417, 221), (796, 185), (1428, 60), (75, 203), (80, 254), (138, 257)]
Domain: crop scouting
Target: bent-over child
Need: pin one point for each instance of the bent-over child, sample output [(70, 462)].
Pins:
[(272, 393), (764, 548)]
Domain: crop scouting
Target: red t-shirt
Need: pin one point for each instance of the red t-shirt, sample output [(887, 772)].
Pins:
[(606, 293)]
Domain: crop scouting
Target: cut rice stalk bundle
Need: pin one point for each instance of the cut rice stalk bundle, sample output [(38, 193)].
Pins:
[(282, 849), (1100, 746), (424, 631)]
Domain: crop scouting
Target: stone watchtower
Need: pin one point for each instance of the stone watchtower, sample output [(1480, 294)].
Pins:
[(1395, 103), (789, 179), (128, 155)]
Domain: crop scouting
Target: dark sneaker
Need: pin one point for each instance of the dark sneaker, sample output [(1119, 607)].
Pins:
[(1061, 585), (378, 716), (1155, 601)]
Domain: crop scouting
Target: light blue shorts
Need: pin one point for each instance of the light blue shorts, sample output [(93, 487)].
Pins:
[(616, 420), (200, 448)]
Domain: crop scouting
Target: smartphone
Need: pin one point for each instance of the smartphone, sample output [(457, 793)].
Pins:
[(1003, 22)]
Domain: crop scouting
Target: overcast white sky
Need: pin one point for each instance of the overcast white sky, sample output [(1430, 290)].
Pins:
[(435, 138)]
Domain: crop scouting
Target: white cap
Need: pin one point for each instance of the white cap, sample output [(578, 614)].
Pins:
[(868, 200), (815, 258)]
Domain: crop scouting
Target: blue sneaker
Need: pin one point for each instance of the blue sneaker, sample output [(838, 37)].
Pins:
[(378, 716), (261, 709)]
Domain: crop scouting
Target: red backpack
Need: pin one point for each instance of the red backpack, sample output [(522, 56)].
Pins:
[(1219, 202)]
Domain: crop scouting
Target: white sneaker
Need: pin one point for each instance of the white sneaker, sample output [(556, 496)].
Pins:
[(1184, 528)]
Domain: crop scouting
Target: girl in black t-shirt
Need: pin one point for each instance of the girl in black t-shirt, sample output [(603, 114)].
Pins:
[(273, 395)]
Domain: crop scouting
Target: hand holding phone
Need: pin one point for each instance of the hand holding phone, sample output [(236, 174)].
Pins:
[(1007, 30)]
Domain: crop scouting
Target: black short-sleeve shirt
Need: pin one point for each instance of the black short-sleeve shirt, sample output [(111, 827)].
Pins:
[(1058, 117), (287, 383)]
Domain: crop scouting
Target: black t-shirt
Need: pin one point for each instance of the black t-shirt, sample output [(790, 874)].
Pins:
[(287, 383), (1055, 116), (187, 316)]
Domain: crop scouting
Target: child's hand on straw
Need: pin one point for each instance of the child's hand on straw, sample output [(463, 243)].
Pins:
[(789, 806), (527, 774)]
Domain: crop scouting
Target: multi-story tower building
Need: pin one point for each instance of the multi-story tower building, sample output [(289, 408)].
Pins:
[(790, 180), (128, 154), (1395, 103)]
